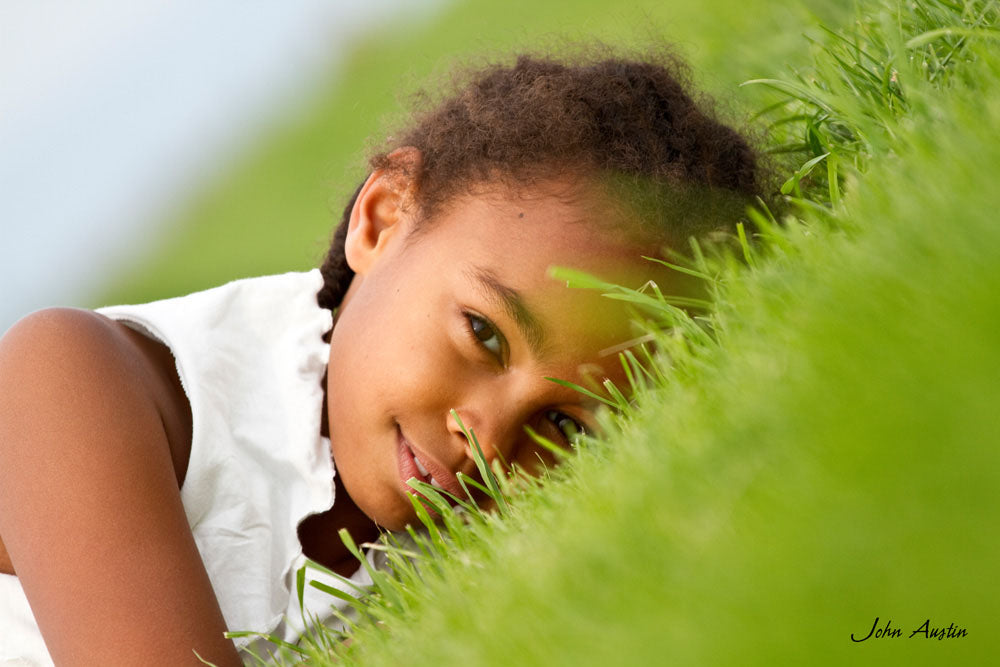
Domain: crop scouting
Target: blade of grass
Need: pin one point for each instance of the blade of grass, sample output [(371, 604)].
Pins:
[(582, 390), (484, 469), (931, 35)]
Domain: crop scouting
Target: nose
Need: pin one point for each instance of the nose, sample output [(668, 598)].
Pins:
[(468, 428), (488, 429)]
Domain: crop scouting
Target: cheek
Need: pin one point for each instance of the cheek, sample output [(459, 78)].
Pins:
[(532, 458), (388, 361)]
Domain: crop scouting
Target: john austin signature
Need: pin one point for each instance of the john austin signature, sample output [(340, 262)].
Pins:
[(925, 631)]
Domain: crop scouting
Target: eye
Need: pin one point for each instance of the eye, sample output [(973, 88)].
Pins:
[(486, 335), (570, 428)]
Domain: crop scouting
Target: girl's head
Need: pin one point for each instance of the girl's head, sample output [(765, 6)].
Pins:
[(439, 268)]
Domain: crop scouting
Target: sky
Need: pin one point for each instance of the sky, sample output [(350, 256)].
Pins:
[(112, 111)]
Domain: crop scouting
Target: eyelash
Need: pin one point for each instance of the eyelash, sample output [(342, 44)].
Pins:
[(500, 354), (558, 418)]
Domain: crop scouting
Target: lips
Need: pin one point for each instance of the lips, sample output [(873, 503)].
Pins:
[(423, 471), (413, 463)]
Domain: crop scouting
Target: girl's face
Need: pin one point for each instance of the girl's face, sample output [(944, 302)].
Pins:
[(462, 315)]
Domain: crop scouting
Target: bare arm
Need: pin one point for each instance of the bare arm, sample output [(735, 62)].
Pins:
[(90, 509)]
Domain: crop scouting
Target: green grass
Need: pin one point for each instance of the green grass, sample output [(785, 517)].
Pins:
[(825, 456)]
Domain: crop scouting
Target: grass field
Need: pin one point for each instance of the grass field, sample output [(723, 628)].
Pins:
[(826, 456)]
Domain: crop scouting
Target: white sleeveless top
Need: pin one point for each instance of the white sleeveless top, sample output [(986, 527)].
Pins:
[(251, 359)]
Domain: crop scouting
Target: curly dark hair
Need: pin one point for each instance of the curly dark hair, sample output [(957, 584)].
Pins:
[(626, 123)]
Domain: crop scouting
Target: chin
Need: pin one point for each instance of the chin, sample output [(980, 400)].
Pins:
[(398, 524), (394, 520), (391, 514)]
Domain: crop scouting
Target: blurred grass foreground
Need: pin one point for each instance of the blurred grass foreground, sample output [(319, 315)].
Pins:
[(827, 454)]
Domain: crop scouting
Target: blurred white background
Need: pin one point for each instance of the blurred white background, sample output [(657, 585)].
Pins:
[(112, 111)]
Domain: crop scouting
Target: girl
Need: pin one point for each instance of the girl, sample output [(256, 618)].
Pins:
[(166, 468)]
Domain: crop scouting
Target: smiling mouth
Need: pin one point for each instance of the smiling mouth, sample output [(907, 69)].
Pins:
[(410, 466), (423, 471)]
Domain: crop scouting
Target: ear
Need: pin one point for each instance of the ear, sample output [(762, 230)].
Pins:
[(383, 211)]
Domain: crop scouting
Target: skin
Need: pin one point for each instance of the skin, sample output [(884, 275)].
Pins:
[(95, 429)]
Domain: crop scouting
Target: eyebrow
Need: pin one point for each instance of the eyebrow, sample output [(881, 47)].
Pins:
[(510, 300)]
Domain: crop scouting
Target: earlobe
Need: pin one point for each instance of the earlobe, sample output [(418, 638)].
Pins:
[(381, 212)]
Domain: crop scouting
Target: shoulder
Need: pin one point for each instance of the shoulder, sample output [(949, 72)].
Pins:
[(55, 322), (92, 517), (58, 361), (70, 377), (61, 356), (56, 341)]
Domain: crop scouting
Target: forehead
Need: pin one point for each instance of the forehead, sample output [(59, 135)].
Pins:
[(542, 225)]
